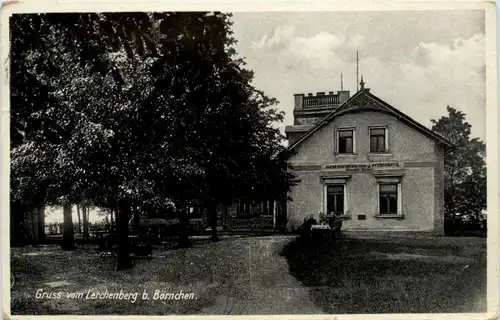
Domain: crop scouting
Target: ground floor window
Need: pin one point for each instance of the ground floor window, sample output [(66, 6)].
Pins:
[(388, 198), (335, 199)]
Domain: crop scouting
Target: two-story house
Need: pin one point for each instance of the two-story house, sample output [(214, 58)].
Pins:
[(367, 161)]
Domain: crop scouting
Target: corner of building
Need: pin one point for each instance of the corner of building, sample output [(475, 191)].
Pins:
[(439, 192)]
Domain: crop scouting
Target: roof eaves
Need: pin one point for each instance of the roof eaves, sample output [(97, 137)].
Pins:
[(448, 145), (437, 136)]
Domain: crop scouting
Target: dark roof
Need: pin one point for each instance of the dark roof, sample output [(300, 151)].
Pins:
[(364, 100)]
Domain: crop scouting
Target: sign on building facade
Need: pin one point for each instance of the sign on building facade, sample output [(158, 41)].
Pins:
[(362, 167)]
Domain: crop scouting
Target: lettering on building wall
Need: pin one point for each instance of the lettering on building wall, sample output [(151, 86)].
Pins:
[(357, 167)]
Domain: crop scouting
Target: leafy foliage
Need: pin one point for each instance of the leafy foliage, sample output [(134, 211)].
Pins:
[(465, 168), (146, 108)]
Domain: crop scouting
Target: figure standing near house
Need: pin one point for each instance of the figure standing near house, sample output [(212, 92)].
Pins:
[(335, 222), (322, 218), (312, 221)]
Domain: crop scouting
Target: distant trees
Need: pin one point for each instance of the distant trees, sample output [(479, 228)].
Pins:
[(465, 168), (127, 110)]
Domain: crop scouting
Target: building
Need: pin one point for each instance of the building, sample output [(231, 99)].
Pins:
[(367, 161)]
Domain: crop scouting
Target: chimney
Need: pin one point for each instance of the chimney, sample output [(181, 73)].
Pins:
[(343, 96), (299, 99)]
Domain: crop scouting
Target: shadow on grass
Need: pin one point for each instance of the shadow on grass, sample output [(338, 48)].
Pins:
[(84, 270), (371, 276)]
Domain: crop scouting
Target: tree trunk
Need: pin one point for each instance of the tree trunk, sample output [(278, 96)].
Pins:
[(79, 219), (183, 236), (212, 217), (123, 260), (17, 232), (35, 225), (224, 216), (41, 223), (85, 210), (112, 219), (137, 218), (28, 226), (68, 242), (275, 214)]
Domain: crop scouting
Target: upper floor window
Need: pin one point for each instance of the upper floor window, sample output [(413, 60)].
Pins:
[(345, 141), (378, 140)]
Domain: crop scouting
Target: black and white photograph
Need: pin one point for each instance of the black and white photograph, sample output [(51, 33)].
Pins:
[(225, 162)]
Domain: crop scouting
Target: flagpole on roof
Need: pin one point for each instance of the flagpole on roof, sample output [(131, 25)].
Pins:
[(357, 71)]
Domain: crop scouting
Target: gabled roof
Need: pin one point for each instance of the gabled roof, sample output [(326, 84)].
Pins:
[(364, 100)]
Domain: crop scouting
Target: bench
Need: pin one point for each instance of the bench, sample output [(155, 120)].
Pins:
[(108, 245)]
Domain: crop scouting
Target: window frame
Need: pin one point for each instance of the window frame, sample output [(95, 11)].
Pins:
[(325, 193), (399, 200), (387, 198), (386, 139), (337, 140)]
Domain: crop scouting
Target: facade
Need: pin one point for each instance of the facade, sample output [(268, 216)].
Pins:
[(365, 160)]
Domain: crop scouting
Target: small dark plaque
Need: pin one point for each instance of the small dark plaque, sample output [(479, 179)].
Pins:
[(361, 217)]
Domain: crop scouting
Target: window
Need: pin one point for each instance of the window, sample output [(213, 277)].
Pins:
[(390, 196), (378, 141), (335, 199), (388, 199), (345, 140)]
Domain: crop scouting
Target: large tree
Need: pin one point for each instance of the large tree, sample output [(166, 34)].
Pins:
[(225, 126), (144, 109), (68, 98), (465, 168)]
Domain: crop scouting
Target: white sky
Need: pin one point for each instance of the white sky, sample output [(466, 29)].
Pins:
[(418, 61), (55, 214)]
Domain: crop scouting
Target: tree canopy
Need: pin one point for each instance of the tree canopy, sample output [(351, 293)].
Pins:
[(465, 167), (138, 108)]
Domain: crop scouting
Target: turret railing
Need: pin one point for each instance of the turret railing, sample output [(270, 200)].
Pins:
[(320, 100)]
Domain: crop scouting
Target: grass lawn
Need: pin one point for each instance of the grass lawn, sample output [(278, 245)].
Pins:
[(384, 273), (263, 275)]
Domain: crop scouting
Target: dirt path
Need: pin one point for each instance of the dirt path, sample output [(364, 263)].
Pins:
[(272, 289)]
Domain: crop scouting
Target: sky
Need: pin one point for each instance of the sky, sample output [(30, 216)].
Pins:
[(417, 61), (55, 214)]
